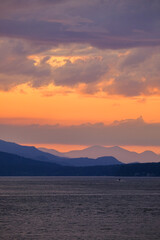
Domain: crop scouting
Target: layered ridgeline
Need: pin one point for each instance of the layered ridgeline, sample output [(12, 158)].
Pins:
[(119, 153), (36, 154), (14, 165)]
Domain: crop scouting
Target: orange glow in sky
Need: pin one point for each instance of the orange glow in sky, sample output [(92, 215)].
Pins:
[(65, 106), (90, 77)]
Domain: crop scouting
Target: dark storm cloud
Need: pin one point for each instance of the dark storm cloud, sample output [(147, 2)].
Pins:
[(57, 33), (42, 32), (12, 5), (104, 24), (37, 27), (127, 132)]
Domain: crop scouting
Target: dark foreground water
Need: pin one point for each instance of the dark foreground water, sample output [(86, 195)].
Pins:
[(71, 208)]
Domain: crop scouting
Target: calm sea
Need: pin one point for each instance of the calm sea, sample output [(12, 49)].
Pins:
[(72, 208)]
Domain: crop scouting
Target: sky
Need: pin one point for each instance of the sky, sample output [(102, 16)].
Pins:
[(80, 73)]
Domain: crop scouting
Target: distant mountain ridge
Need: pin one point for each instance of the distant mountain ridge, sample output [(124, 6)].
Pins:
[(119, 153), (36, 154), (14, 165), (28, 152), (52, 151), (91, 156)]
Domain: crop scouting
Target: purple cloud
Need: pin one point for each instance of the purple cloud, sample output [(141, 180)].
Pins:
[(39, 27), (103, 24), (127, 132)]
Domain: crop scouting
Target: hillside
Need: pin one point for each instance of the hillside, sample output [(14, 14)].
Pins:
[(34, 153), (14, 165)]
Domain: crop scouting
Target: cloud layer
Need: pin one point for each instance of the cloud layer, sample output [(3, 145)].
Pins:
[(127, 132), (104, 24), (108, 46)]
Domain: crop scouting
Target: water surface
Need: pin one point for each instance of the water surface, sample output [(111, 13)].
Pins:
[(72, 208)]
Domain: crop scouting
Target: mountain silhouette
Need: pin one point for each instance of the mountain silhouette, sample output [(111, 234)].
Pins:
[(36, 154), (52, 151), (28, 152), (14, 165), (119, 153)]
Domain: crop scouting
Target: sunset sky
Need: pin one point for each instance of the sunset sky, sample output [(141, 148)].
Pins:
[(80, 73)]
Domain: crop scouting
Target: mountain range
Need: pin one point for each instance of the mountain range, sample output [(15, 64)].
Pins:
[(14, 165), (119, 153), (36, 154), (18, 160)]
